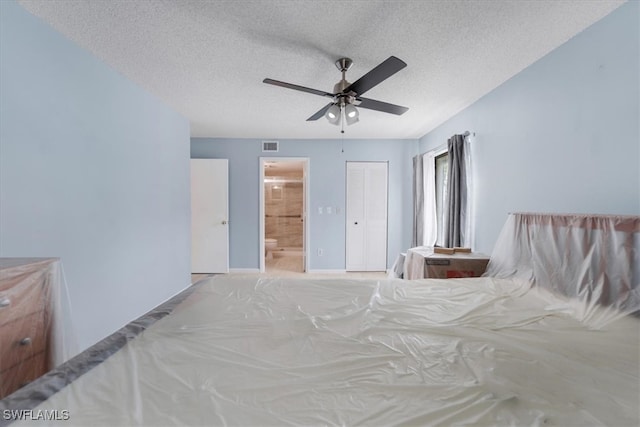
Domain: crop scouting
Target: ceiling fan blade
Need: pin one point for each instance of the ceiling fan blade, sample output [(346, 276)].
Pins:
[(297, 87), (385, 107), (320, 112), (382, 72)]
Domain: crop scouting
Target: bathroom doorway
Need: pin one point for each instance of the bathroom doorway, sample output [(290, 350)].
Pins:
[(283, 215)]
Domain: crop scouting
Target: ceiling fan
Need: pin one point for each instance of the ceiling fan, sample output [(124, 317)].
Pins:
[(347, 96)]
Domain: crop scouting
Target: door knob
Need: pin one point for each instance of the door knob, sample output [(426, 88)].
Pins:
[(356, 223), (224, 222)]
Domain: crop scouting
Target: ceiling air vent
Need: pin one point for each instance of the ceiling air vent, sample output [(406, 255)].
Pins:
[(270, 146)]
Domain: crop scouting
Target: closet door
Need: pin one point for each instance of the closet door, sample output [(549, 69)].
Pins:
[(209, 216), (366, 216)]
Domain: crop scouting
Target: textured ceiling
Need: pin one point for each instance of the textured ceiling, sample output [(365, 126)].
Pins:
[(207, 59)]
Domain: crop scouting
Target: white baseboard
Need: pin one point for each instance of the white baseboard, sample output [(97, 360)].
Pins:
[(311, 271), (323, 271), (244, 270)]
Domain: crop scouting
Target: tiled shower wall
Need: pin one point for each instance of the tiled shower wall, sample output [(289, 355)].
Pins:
[(283, 211)]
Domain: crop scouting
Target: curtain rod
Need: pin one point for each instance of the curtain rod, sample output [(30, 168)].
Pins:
[(444, 146)]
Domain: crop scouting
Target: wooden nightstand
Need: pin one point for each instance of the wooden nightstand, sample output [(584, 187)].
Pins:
[(25, 319), (421, 262), (455, 266)]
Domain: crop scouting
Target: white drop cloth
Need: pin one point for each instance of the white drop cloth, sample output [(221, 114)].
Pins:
[(247, 351)]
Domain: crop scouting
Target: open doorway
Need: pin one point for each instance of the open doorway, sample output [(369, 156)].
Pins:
[(283, 222)]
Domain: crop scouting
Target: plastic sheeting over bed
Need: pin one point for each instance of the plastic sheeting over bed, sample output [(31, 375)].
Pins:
[(259, 351), (552, 337)]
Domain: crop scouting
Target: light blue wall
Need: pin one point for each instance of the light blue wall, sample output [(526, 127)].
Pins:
[(561, 136), (92, 170), (327, 188)]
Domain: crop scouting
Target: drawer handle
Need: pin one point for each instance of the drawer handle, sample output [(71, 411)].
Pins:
[(25, 341), (5, 302)]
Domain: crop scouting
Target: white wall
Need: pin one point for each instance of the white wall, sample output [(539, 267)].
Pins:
[(92, 170), (562, 135)]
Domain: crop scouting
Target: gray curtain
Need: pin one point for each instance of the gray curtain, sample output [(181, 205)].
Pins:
[(418, 202), (455, 223)]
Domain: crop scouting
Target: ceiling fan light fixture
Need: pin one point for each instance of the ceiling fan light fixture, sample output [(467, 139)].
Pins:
[(333, 114), (341, 109), (351, 114)]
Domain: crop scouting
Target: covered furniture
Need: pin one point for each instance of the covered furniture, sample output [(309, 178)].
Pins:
[(26, 285), (424, 263), (518, 347)]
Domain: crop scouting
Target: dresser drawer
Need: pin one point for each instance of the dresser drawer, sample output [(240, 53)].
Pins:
[(22, 300), (22, 374), (22, 339)]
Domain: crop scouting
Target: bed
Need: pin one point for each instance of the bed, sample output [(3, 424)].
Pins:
[(519, 346)]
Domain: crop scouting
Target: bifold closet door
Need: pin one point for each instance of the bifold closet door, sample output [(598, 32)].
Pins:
[(209, 216), (366, 216)]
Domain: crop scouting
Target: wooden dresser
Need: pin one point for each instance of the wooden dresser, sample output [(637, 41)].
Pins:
[(25, 320)]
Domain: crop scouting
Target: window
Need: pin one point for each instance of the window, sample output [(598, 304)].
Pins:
[(442, 176), (433, 192)]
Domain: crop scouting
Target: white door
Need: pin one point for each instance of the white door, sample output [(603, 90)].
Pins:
[(366, 216), (304, 214), (209, 216)]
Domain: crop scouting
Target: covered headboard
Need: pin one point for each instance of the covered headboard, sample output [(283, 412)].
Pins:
[(594, 258)]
